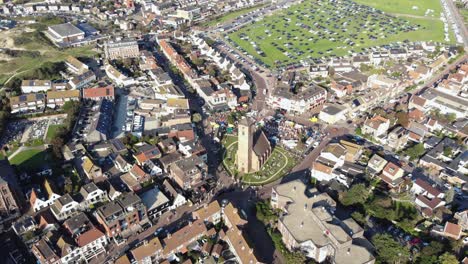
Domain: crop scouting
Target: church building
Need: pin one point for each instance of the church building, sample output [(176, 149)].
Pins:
[(254, 149)]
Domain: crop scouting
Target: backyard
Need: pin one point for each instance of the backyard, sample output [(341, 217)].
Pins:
[(316, 29), (277, 166)]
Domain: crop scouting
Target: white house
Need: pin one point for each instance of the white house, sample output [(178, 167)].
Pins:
[(91, 195), (64, 207), (34, 86)]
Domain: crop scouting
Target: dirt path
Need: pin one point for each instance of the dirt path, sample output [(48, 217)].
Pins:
[(415, 16)]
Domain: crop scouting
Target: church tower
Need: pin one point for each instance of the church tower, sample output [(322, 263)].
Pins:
[(244, 146)]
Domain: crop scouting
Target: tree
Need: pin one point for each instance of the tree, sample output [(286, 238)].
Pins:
[(265, 213), (429, 253), (451, 117), (197, 118), (416, 151), (402, 119), (449, 195), (359, 217), (389, 250), (357, 194), (448, 151), (448, 258), (57, 144)]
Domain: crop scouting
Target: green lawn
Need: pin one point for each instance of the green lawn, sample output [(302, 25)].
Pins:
[(277, 166), (409, 7), (464, 14), (316, 29), (52, 131), (231, 15), (31, 160)]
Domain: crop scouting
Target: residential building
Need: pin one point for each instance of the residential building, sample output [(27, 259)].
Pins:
[(332, 114), (176, 197), (99, 93), (91, 241), (376, 126), (75, 66), (64, 207), (397, 138), (189, 173), (91, 195), (33, 102), (121, 215), (306, 100), (155, 201), (35, 86), (376, 164), (392, 174), (40, 198), (146, 152), (83, 80), (101, 121), (121, 50), (209, 213), (116, 76), (149, 252), (91, 170), (180, 239), (56, 99)]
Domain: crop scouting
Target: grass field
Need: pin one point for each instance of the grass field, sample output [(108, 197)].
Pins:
[(231, 16), (40, 51), (408, 7), (464, 14), (32, 159), (52, 131), (316, 29)]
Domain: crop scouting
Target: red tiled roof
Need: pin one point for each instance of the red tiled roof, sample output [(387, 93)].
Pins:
[(452, 229), (137, 171), (431, 203), (99, 92), (391, 168), (427, 187), (141, 157), (418, 100), (416, 114), (88, 237)]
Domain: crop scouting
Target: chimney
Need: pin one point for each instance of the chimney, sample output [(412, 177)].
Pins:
[(190, 223), (169, 235), (294, 188), (349, 251), (302, 223), (305, 207)]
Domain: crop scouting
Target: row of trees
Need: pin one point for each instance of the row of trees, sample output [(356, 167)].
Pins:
[(62, 135)]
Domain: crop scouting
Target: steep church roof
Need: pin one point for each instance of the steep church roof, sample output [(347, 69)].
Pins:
[(261, 143)]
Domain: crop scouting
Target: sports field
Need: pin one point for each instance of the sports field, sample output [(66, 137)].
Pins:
[(315, 29)]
